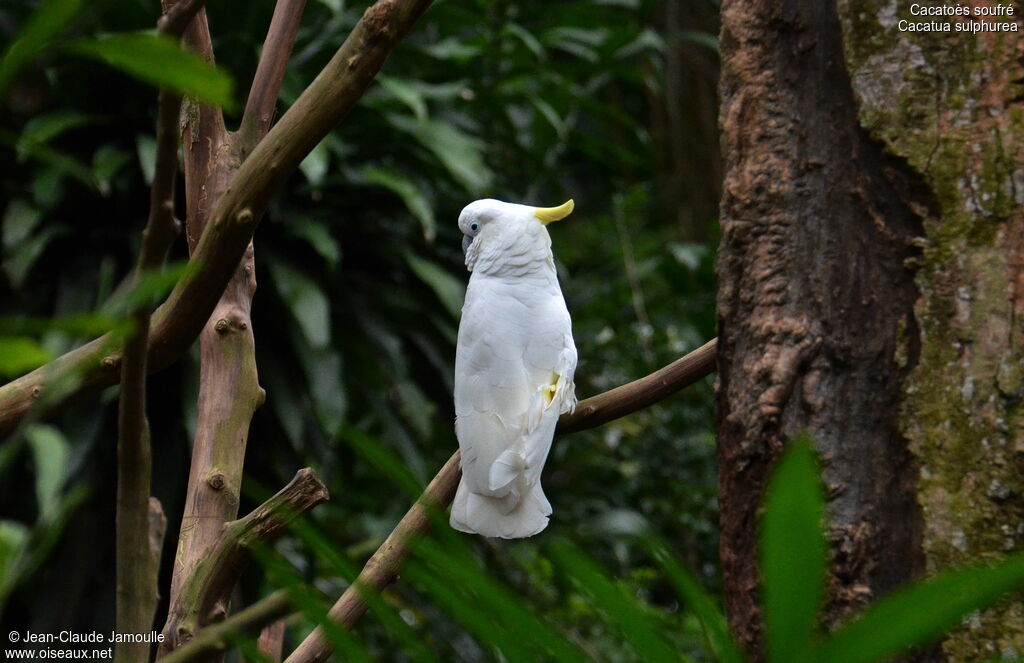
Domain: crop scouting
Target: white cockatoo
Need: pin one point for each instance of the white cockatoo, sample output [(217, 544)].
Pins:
[(514, 367)]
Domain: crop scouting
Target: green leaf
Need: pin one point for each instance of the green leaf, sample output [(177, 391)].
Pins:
[(406, 93), (410, 193), (451, 48), (450, 290), (106, 162), (318, 237), (792, 554), (50, 450), (14, 539), (919, 614), (528, 39), (474, 593), (460, 153), (720, 641), (161, 61), (19, 265), (20, 354), (153, 286), (619, 608), (20, 219), (41, 130), (81, 324), (45, 23), (314, 166), (145, 148), (308, 303)]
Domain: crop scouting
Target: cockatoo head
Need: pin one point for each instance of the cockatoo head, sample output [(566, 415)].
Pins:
[(506, 238)]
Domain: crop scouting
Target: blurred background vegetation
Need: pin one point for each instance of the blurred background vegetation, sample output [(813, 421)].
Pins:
[(610, 102)]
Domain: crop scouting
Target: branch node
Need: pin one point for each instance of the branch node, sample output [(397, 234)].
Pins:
[(223, 326), (36, 393), (109, 362), (217, 481), (245, 216)]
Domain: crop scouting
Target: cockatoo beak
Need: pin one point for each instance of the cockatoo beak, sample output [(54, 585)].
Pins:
[(547, 215), (466, 241)]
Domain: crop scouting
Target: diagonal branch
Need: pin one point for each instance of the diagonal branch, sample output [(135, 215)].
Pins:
[(177, 323), (177, 16), (642, 393), (266, 84), (383, 567)]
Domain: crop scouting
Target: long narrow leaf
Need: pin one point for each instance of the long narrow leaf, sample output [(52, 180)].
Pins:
[(723, 647), (161, 61), (619, 608), (792, 555), (45, 23), (920, 613)]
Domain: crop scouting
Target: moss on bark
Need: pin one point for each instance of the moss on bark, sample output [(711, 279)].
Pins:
[(950, 105)]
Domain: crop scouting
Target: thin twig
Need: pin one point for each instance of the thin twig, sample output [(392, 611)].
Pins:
[(266, 83)]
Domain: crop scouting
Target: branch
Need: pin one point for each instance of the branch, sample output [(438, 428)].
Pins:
[(271, 641), (266, 84), (177, 323), (213, 578), (383, 567), (642, 393), (137, 560), (177, 17), (215, 639)]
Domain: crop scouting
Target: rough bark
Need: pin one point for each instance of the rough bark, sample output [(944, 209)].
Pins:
[(229, 390), (815, 306), (952, 105)]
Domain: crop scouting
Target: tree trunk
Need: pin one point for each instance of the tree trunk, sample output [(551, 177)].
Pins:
[(868, 270), (951, 104), (816, 321)]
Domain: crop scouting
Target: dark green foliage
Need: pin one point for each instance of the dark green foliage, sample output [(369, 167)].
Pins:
[(360, 283)]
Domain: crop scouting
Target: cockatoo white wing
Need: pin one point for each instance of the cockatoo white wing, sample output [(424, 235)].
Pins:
[(515, 363)]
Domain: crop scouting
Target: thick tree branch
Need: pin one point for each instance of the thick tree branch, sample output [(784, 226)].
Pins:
[(216, 638), (642, 393), (212, 579), (266, 84), (383, 567), (177, 323)]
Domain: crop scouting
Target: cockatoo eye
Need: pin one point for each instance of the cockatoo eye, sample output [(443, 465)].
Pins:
[(474, 226)]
